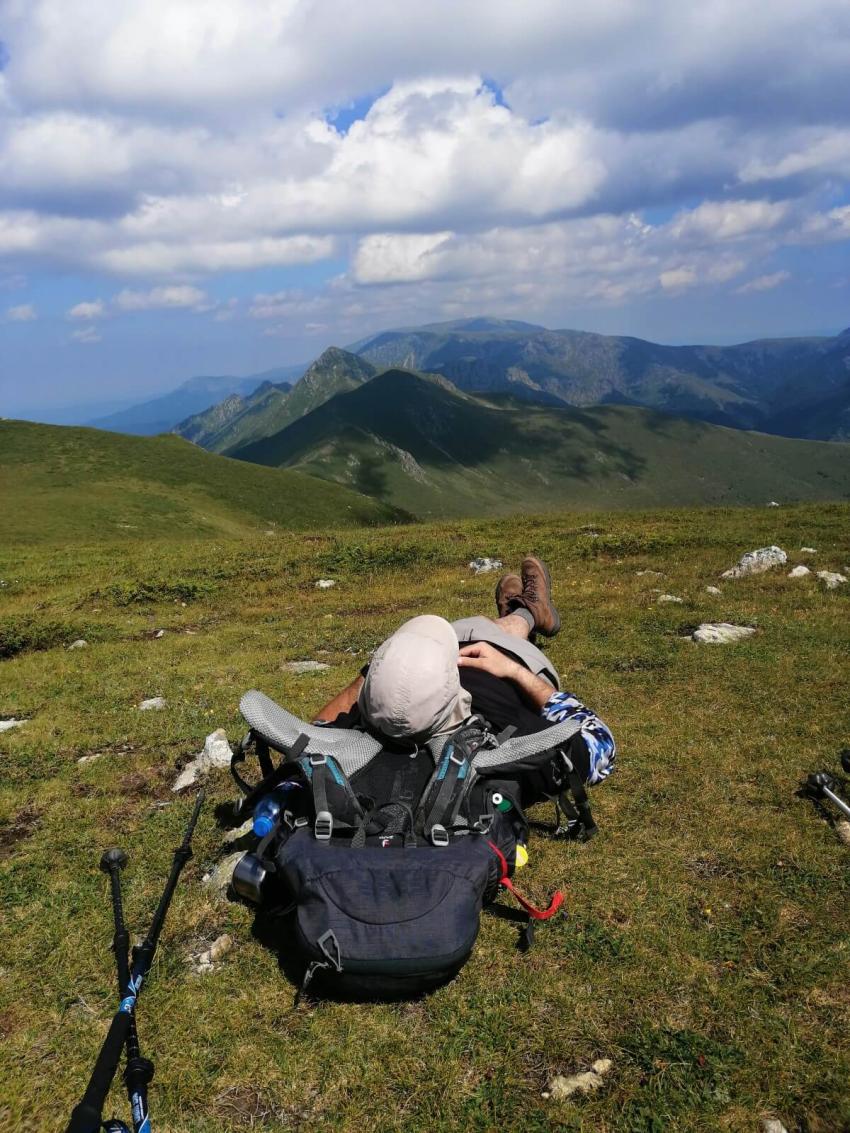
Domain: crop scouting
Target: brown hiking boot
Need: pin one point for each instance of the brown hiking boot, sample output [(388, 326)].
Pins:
[(536, 596), (510, 587)]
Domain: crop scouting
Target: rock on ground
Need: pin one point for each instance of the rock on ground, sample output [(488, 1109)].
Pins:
[(772, 1125), (650, 573), (756, 562), (216, 753), (155, 704), (80, 643), (808, 551), (304, 666), (842, 829), (668, 598), (773, 503), (325, 583), (720, 633), (6, 725), (484, 566), (219, 878), (209, 958), (715, 590), (84, 759), (799, 571), (562, 1087), (831, 578)]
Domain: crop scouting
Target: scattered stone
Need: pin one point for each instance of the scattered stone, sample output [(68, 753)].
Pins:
[(6, 725), (756, 562), (80, 643), (216, 753), (325, 583), (155, 704), (669, 598), (484, 566), (272, 533), (842, 829), (240, 832), (799, 571), (831, 578), (561, 1087), (305, 666), (772, 1125), (772, 503), (808, 551), (208, 959), (159, 633), (715, 590), (84, 759), (649, 573), (721, 633), (219, 878)]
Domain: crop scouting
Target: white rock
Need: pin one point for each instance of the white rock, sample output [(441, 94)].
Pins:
[(562, 1087), (715, 590), (842, 829), (808, 551), (650, 573), (484, 566), (216, 753), (160, 633), (80, 643), (772, 1125), (831, 578), (219, 948), (756, 562), (240, 831), (669, 598), (719, 633), (305, 666), (155, 704), (84, 759), (773, 503), (799, 571), (325, 583), (219, 878), (7, 725)]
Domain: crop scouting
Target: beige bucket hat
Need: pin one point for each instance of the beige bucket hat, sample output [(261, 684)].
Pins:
[(412, 688)]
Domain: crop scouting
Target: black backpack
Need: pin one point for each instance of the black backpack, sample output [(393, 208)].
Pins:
[(386, 855)]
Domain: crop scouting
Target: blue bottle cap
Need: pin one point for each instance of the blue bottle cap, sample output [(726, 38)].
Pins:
[(263, 825)]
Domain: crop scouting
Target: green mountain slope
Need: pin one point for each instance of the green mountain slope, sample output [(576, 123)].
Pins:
[(71, 484), (236, 422), (746, 385), (416, 444)]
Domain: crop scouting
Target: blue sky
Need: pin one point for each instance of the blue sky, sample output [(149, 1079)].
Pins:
[(228, 187)]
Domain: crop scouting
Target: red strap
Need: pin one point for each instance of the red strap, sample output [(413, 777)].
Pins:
[(535, 913)]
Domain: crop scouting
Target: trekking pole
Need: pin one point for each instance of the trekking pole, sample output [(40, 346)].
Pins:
[(139, 1071), (87, 1115), (821, 784)]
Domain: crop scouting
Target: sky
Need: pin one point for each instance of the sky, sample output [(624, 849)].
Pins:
[(223, 186)]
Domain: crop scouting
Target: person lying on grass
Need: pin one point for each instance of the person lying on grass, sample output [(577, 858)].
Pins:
[(431, 675)]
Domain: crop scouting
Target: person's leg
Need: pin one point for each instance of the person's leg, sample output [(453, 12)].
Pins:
[(519, 624)]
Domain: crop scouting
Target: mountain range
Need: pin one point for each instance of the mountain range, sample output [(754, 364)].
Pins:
[(419, 444)]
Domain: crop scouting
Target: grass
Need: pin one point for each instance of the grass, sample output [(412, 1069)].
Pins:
[(705, 948), (75, 484)]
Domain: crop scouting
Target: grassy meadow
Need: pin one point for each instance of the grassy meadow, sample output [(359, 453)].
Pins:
[(705, 948)]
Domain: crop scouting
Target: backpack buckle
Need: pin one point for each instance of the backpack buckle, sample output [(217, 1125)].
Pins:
[(318, 760), (439, 835), (482, 826), (323, 826)]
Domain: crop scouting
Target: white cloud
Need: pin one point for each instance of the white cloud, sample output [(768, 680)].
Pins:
[(95, 309), (86, 335), (162, 298), (23, 313), (764, 282)]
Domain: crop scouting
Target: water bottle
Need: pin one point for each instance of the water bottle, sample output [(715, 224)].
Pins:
[(267, 810)]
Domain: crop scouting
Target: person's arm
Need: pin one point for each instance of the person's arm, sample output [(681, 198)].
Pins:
[(343, 702), (482, 655), (554, 706)]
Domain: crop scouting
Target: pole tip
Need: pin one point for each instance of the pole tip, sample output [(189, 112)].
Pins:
[(113, 858)]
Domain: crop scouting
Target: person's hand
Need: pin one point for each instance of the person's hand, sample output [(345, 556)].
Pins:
[(481, 655)]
